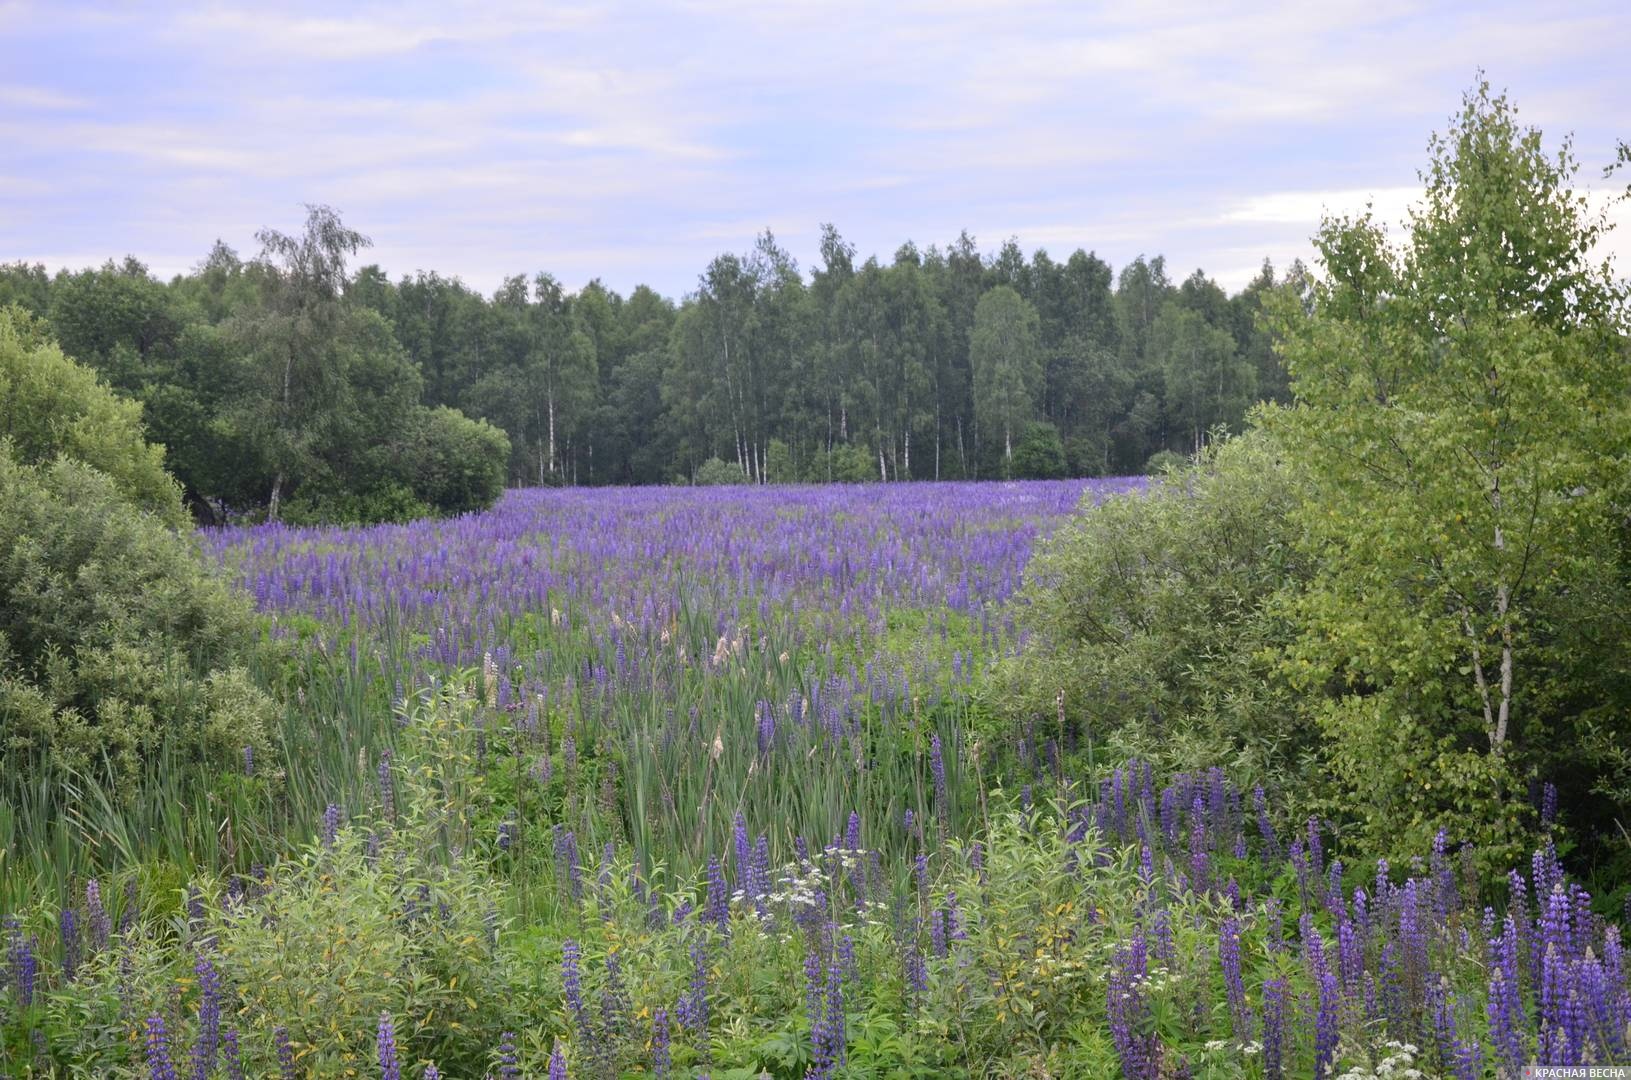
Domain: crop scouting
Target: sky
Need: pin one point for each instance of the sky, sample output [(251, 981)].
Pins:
[(635, 142)]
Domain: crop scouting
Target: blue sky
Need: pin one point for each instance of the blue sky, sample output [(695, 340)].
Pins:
[(634, 142)]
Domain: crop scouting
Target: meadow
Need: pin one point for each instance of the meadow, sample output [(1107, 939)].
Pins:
[(709, 782)]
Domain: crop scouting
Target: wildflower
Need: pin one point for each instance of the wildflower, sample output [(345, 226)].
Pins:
[(508, 1063), (209, 1018), (661, 1058), (159, 1066), (331, 825), (1274, 1030), (385, 1046), (285, 1054), (231, 1055), (101, 926)]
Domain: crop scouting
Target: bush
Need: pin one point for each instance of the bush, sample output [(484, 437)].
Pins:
[(321, 504), (779, 463), (1149, 614), (114, 640), (715, 472), (52, 407), (1162, 460), (1040, 454), (453, 463)]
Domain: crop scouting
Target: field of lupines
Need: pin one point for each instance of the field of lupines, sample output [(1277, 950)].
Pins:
[(682, 783)]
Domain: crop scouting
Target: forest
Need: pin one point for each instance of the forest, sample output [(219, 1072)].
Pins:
[(289, 386)]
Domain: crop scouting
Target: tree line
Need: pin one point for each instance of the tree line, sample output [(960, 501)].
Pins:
[(288, 386)]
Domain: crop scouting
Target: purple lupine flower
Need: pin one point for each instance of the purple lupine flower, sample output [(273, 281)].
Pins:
[(759, 878), (1350, 955), (954, 920), (23, 963), (195, 909), (1274, 1028), (920, 874), (508, 1063), (661, 1057), (557, 1063), (568, 867), (571, 977), (159, 1065), (837, 1048), (68, 931), (1233, 982), (917, 975), (846, 960), (385, 1048), (717, 910), (1166, 949), (1548, 803), (231, 1055), (1327, 1017), (331, 825), (692, 1011), (766, 727), (249, 762), (744, 850), (285, 1054), (814, 988), (101, 926), (1265, 828), (431, 1073), (852, 832), (614, 1000), (1128, 1010), (937, 932), (209, 1018), (506, 833)]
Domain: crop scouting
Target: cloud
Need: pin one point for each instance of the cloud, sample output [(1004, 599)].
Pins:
[(634, 142), (39, 97)]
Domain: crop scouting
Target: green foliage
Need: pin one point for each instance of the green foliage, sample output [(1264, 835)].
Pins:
[(115, 641), (51, 408), (1004, 354), (1163, 461), (1151, 615), (453, 463), (1040, 454), (1462, 420), (779, 463), (715, 472)]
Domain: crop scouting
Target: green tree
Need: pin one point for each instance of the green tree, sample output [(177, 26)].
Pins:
[(1462, 419), (296, 373), (1005, 355), (51, 407)]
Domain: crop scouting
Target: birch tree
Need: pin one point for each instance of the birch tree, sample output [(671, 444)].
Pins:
[(1462, 418)]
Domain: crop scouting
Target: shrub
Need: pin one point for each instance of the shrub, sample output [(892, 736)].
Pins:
[(453, 463), (715, 472), (1040, 454), (1149, 616), (1162, 460), (52, 407), (113, 638)]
